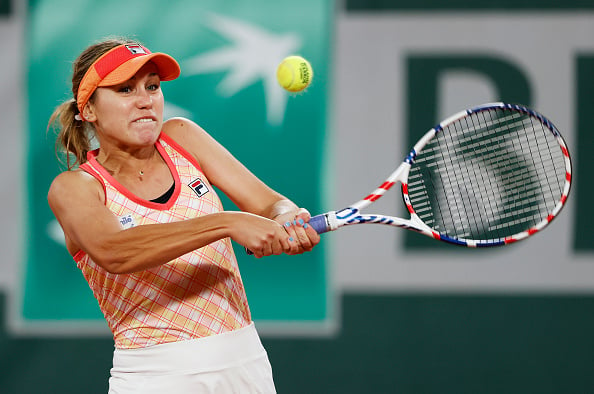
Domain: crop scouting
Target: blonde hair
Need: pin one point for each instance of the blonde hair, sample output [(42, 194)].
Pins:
[(74, 136)]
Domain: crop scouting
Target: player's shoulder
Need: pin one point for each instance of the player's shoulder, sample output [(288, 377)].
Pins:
[(181, 127), (186, 133), (76, 176), (71, 183)]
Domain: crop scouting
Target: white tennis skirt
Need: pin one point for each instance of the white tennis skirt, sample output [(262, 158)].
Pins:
[(232, 362)]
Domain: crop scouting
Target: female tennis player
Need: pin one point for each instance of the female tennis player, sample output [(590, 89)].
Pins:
[(145, 226)]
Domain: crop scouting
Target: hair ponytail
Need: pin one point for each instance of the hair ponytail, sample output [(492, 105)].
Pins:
[(73, 137)]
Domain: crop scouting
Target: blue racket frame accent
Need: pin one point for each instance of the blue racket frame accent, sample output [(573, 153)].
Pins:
[(411, 157)]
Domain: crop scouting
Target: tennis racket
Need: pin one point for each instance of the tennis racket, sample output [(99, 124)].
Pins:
[(487, 176)]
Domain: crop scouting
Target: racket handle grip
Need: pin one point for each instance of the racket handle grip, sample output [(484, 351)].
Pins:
[(320, 223)]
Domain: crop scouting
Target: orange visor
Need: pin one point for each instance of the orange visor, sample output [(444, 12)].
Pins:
[(119, 65)]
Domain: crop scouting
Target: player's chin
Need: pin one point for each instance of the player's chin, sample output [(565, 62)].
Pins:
[(146, 135)]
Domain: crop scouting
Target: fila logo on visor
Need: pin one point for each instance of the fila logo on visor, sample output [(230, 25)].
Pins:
[(199, 187), (136, 49)]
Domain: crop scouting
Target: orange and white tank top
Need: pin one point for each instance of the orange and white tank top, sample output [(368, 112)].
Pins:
[(196, 295)]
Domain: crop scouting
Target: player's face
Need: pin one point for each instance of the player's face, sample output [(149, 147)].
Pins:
[(129, 114)]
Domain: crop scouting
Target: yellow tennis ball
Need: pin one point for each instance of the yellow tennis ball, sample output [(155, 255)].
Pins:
[(294, 73)]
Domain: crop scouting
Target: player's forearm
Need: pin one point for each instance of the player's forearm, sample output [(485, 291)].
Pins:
[(148, 246)]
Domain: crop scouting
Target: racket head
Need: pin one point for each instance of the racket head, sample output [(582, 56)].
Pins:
[(488, 176)]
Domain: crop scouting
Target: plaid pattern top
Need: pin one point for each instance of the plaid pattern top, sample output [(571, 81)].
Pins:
[(196, 295)]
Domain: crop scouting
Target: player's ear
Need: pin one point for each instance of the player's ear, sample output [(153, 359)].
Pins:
[(89, 112)]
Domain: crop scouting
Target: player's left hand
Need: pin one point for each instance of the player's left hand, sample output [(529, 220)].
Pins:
[(295, 223)]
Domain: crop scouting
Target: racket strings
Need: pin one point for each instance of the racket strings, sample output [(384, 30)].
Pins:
[(488, 175)]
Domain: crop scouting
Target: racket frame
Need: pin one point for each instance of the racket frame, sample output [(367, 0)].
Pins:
[(351, 215)]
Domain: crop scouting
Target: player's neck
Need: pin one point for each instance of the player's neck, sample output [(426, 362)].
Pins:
[(134, 163)]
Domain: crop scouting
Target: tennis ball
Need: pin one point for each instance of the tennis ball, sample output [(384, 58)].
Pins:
[(294, 73)]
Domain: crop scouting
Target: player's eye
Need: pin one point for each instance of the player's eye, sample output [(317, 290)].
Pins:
[(153, 86)]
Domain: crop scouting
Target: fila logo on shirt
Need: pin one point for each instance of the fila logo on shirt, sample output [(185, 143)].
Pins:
[(199, 187)]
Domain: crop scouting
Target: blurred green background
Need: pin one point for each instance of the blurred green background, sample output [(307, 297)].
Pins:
[(372, 310)]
